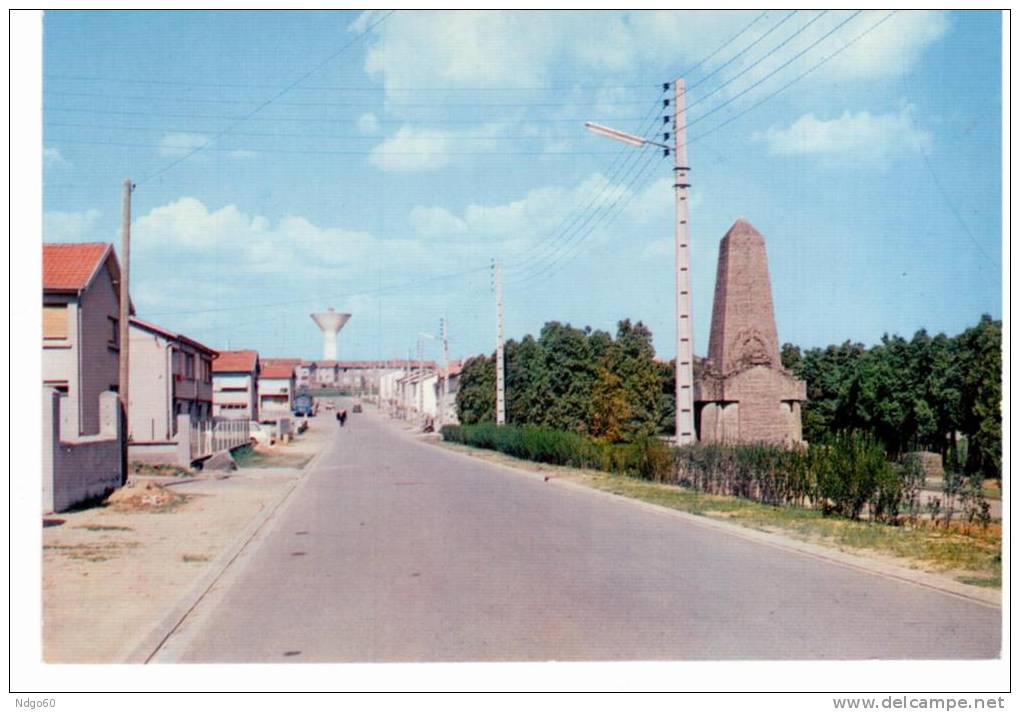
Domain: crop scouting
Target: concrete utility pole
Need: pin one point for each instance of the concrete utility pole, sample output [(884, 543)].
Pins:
[(685, 434), (446, 371), (500, 384), (124, 332), (421, 384)]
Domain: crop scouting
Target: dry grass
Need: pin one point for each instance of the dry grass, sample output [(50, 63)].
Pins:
[(92, 552), (968, 552), (261, 457)]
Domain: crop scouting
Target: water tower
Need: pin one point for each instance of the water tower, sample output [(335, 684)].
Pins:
[(330, 322)]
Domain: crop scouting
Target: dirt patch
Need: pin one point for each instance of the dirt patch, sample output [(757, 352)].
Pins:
[(145, 497)]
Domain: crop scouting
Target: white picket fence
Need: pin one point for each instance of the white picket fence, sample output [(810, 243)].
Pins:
[(212, 436)]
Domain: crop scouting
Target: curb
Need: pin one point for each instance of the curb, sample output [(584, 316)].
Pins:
[(986, 597), (158, 635)]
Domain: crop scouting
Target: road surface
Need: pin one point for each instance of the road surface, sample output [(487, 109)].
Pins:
[(396, 550)]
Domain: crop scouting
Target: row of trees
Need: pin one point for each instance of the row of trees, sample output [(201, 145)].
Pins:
[(909, 395), (920, 394), (575, 380)]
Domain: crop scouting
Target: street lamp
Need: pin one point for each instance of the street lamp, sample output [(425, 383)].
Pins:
[(685, 432)]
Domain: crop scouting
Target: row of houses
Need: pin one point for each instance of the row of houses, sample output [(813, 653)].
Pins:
[(185, 398), (423, 394)]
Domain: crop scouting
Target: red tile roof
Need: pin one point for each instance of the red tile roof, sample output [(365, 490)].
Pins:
[(70, 267), (171, 335), (236, 361), (278, 367)]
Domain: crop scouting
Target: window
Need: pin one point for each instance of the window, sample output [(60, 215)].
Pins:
[(113, 337), (189, 367), (54, 321), (206, 370)]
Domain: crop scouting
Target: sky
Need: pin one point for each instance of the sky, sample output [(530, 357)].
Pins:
[(377, 163)]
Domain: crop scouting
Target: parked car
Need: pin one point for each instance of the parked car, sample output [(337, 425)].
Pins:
[(356, 408), (259, 434), (329, 405)]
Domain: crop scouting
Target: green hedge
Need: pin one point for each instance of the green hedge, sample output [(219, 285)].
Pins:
[(646, 457), (847, 476)]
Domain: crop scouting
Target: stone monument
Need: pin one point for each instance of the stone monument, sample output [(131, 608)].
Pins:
[(744, 394)]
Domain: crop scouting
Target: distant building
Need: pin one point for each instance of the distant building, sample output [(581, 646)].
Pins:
[(277, 382), (235, 385), (82, 438), (417, 394), (171, 375), (447, 385)]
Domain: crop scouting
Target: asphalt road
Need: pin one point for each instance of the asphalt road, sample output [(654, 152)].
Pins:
[(394, 550)]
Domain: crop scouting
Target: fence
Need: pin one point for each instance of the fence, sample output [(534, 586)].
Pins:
[(207, 437)]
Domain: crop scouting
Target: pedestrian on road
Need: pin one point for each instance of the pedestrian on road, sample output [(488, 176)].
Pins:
[(338, 419), (343, 417)]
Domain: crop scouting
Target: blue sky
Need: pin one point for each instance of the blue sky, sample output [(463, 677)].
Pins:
[(386, 179)]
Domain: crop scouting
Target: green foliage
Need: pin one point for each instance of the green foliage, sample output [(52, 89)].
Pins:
[(575, 380), (476, 397), (649, 458), (844, 476), (910, 395)]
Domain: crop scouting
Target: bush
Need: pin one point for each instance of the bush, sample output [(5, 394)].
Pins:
[(844, 476)]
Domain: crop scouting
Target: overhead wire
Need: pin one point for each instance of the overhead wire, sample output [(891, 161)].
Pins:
[(268, 101), (647, 131)]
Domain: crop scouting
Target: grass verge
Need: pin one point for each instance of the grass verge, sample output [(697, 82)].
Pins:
[(968, 553), (247, 456)]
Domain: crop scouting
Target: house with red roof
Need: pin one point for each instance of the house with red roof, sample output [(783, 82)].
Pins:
[(276, 385), (82, 434), (235, 385), (81, 313), (171, 375)]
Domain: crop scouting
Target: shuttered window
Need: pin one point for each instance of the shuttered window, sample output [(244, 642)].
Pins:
[(55, 322)]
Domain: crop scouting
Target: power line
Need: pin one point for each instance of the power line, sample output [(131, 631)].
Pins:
[(793, 81), (303, 119), (368, 292), (269, 101), (734, 58), (544, 272), (312, 87), (591, 201), (280, 134), (552, 238), (326, 152), (748, 68), (630, 191), (388, 105), (774, 71)]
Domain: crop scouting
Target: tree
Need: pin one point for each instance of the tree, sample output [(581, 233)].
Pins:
[(476, 396), (980, 352)]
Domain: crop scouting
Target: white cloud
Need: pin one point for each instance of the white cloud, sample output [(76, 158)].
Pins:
[(368, 124), (857, 136), (893, 48), (175, 145), (70, 226), (52, 158), (434, 221), (547, 220), (413, 149)]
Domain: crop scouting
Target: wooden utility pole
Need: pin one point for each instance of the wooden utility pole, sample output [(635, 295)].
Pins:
[(685, 434), (124, 333), (500, 384)]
